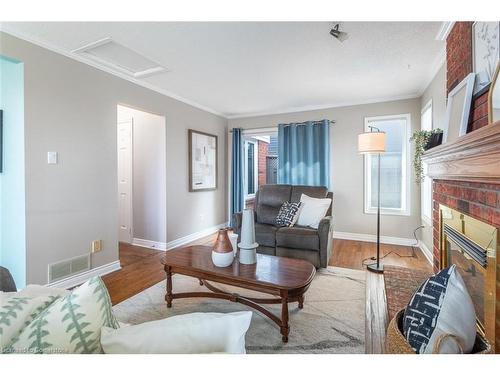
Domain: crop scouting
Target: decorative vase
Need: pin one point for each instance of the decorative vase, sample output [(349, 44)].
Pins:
[(233, 237), (247, 245), (222, 253)]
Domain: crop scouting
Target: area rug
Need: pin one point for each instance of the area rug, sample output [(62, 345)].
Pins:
[(332, 320)]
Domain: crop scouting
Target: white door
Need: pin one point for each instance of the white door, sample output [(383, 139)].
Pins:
[(125, 131)]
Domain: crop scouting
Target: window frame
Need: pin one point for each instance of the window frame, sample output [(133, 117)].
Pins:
[(427, 180), (245, 167), (405, 210)]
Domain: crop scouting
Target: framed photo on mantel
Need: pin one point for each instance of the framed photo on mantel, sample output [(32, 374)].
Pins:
[(202, 161)]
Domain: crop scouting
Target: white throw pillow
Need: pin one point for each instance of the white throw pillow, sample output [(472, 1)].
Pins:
[(182, 334), (312, 210), (18, 309), (71, 324)]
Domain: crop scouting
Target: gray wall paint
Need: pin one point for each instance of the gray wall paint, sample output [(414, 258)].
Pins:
[(436, 91), (70, 108), (149, 192), (347, 164)]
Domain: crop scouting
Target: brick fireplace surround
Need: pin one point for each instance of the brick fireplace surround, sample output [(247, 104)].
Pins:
[(466, 177)]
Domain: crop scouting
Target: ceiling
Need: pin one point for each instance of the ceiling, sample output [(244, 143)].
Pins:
[(241, 69)]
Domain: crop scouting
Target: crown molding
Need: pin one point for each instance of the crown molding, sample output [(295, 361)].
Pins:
[(286, 110), (444, 30), (77, 57)]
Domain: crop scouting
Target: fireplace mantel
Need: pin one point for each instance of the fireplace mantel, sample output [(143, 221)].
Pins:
[(474, 157)]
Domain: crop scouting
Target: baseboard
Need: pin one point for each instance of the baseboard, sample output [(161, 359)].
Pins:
[(80, 278), (373, 238), (194, 236), (428, 254), (149, 244)]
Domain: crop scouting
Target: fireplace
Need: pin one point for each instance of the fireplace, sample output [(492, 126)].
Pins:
[(472, 246)]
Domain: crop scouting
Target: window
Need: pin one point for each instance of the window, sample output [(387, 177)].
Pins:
[(260, 161), (426, 185), (251, 168), (394, 185)]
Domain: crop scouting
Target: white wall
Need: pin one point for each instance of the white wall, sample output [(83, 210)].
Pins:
[(149, 191), (347, 164), (436, 91), (70, 108)]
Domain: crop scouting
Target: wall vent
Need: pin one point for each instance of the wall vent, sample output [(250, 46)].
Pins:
[(120, 58), (69, 267)]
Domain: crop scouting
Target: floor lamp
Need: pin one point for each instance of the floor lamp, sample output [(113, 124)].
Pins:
[(373, 142)]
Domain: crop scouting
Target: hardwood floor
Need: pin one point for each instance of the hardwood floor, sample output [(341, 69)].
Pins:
[(141, 267)]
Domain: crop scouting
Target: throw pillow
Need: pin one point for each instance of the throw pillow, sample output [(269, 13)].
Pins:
[(71, 324), (441, 310), (312, 210), (288, 214), (182, 334), (18, 309)]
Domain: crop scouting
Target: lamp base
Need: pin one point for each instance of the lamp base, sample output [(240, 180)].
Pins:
[(373, 268)]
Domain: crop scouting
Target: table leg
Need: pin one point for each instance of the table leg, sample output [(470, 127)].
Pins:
[(301, 301), (285, 329), (168, 296)]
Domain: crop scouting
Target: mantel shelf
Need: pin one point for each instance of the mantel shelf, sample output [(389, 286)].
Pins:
[(473, 157)]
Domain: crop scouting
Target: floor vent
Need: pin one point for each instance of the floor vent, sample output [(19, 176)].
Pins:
[(69, 267)]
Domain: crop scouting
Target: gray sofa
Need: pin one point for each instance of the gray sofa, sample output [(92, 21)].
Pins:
[(314, 245)]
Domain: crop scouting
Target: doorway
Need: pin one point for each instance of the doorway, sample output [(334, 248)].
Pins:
[(141, 147)]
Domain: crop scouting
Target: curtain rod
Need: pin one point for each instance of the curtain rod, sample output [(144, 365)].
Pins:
[(295, 123)]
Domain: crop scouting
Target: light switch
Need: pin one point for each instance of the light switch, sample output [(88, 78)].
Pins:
[(52, 157)]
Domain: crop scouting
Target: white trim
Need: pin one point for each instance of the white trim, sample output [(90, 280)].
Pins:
[(445, 30), (126, 77), (406, 163), (195, 236), (149, 244), (427, 253), (259, 131), (80, 278), (306, 108), (373, 238)]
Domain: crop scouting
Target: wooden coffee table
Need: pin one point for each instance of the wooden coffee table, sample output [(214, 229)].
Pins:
[(284, 278)]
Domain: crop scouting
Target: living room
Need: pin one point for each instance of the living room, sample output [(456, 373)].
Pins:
[(307, 187)]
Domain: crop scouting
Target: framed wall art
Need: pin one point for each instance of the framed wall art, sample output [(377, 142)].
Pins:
[(202, 161), (485, 53)]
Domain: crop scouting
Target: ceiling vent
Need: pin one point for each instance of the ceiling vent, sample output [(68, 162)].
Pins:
[(120, 58)]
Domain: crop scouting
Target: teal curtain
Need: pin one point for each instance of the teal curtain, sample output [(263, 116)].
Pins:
[(236, 174), (304, 153)]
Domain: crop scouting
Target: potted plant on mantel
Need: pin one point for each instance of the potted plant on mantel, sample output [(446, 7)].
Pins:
[(424, 140)]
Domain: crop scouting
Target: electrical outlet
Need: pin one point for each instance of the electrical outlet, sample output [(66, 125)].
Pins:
[(96, 246)]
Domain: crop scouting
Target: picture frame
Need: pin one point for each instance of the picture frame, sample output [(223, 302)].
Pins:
[(203, 161), (458, 109), (485, 53)]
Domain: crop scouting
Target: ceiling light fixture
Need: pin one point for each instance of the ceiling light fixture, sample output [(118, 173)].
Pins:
[(337, 34)]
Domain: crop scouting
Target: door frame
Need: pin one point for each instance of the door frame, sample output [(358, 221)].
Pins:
[(131, 195)]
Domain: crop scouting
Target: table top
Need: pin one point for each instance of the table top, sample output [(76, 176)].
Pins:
[(284, 273)]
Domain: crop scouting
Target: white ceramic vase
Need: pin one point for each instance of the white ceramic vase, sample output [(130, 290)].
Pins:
[(247, 245), (233, 237)]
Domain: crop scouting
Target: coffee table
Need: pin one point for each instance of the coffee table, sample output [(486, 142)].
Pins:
[(285, 279)]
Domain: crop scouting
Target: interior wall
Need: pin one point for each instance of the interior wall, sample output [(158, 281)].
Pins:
[(436, 91), (149, 191), (347, 165), (70, 108), (12, 180)]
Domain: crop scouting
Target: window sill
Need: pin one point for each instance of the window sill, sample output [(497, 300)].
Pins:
[(388, 213)]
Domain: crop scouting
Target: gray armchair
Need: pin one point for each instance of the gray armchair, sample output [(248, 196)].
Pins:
[(314, 245)]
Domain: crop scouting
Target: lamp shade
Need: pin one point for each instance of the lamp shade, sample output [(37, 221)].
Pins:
[(372, 142)]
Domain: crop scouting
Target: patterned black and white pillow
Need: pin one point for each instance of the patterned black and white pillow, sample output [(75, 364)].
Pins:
[(288, 214), (441, 310)]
